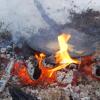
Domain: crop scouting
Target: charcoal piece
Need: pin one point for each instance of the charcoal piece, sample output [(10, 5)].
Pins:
[(98, 71), (50, 60), (18, 94), (73, 66), (37, 73), (71, 98)]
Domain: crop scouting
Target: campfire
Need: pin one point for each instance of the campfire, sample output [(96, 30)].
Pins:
[(40, 70), (35, 71), (40, 73), (47, 75)]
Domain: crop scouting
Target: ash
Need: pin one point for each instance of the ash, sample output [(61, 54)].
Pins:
[(71, 84), (85, 90)]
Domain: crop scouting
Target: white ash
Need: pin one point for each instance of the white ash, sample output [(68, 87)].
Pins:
[(65, 77), (55, 92), (88, 91)]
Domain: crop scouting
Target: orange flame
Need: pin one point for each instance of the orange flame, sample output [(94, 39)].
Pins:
[(62, 56), (40, 58)]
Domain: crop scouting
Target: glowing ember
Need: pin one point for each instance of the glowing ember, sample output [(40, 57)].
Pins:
[(20, 70)]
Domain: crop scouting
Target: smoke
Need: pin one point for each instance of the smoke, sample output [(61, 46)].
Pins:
[(23, 13), (25, 19), (22, 17)]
